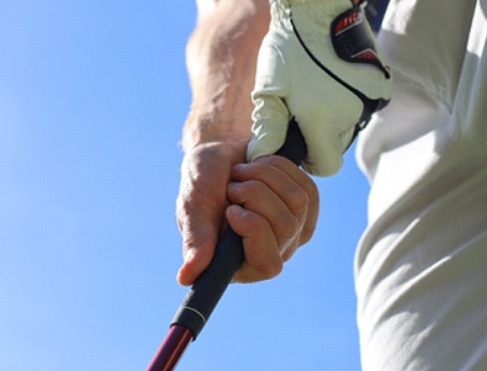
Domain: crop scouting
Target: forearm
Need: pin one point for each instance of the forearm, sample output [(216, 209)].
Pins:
[(221, 61)]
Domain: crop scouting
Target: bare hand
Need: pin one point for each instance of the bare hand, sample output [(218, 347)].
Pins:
[(271, 203)]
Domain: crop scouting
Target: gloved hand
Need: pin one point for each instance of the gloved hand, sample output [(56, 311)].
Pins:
[(320, 65)]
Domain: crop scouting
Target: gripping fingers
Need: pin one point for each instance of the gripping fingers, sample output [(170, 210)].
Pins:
[(276, 213), (263, 258), (296, 189), (257, 197)]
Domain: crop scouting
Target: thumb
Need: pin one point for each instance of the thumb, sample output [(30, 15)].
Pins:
[(199, 226), (271, 118), (198, 248)]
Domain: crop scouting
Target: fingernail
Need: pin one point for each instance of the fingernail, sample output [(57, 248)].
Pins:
[(239, 167), (232, 186), (236, 210)]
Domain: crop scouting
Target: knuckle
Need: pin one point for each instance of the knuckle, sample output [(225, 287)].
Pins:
[(244, 191), (312, 191), (289, 227), (273, 160), (259, 169), (307, 232), (289, 252), (256, 170), (298, 200), (305, 237), (270, 269), (252, 186)]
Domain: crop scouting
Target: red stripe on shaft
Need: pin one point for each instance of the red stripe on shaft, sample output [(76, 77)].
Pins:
[(171, 349)]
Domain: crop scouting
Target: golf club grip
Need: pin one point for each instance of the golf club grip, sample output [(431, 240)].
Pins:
[(229, 256)]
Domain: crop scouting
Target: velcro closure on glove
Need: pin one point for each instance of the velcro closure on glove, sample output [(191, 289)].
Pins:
[(353, 41)]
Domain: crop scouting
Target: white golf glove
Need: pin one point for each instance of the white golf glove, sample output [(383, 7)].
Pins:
[(320, 65)]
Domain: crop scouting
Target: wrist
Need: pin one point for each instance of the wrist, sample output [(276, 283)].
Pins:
[(215, 154), (211, 127)]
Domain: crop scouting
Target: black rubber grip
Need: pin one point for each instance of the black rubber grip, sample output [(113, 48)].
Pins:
[(229, 256)]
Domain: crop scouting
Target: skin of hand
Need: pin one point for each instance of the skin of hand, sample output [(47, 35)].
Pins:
[(271, 203)]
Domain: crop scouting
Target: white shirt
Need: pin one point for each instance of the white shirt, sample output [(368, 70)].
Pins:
[(421, 265)]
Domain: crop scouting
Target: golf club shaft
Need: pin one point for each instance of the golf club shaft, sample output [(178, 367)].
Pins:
[(172, 348)]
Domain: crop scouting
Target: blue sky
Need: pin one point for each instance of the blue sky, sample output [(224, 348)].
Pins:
[(93, 96)]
